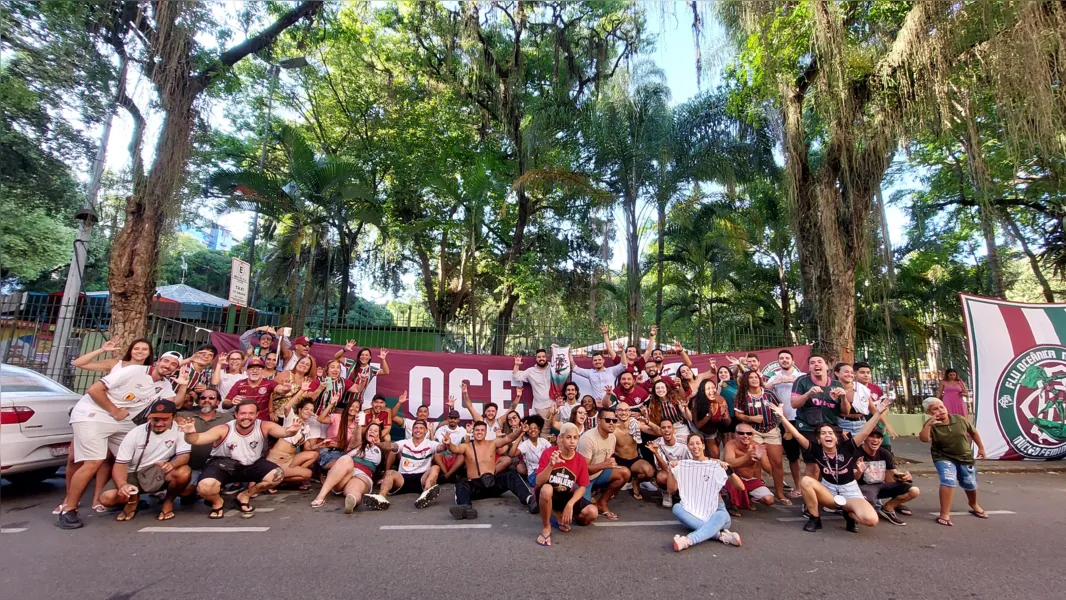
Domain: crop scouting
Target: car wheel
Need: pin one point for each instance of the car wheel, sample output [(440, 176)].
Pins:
[(32, 477)]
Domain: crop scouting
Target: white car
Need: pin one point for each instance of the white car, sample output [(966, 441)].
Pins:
[(35, 430)]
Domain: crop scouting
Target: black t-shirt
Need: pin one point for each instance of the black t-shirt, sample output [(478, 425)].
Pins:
[(820, 408), (877, 465), (838, 469)]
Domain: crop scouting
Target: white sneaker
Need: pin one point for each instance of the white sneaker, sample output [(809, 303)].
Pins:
[(681, 542), (668, 500), (427, 496), (729, 538), (349, 504), (376, 502), (627, 487)]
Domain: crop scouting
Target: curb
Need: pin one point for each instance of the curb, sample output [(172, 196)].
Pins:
[(927, 469)]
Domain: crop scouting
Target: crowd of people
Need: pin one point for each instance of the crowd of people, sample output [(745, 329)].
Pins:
[(705, 445)]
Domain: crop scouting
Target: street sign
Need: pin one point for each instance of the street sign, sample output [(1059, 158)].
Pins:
[(239, 274)]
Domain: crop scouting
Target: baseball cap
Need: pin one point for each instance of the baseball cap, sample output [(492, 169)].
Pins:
[(301, 341), (172, 354), (163, 408), (256, 362), (453, 414)]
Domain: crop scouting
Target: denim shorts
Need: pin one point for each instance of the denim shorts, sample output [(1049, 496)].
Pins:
[(956, 475), (600, 480), (532, 479)]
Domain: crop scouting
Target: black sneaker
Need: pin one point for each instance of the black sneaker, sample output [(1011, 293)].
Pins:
[(531, 502), (69, 520), (804, 512), (463, 511), (813, 524), (890, 516), (849, 522)]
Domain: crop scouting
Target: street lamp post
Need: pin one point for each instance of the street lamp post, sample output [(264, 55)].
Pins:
[(275, 70)]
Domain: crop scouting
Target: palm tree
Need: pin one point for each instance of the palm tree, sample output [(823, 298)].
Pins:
[(303, 203)]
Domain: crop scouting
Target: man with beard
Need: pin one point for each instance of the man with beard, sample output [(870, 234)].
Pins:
[(654, 371), (480, 482), (818, 400), (301, 347), (567, 402), (667, 449), (417, 473), (598, 447), (151, 457), (206, 417), (629, 392), (781, 384), (104, 415), (628, 438), (450, 434), (539, 378), (746, 458), (255, 388), (601, 377), (562, 476), (237, 457)]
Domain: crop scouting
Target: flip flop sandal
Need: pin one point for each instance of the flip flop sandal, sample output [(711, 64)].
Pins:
[(610, 516), (126, 513), (903, 510), (547, 540), (980, 515), (317, 503), (795, 494), (945, 522), (165, 516), (246, 509), (217, 513), (783, 501), (304, 487), (100, 508), (555, 523)]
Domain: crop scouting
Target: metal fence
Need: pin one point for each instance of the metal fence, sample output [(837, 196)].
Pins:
[(907, 368)]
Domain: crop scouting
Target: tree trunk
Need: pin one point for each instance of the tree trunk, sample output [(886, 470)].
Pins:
[(135, 250), (659, 256), (982, 185), (633, 298), (294, 293), (345, 248), (786, 302), (904, 372), (308, 288), (1034, 262)]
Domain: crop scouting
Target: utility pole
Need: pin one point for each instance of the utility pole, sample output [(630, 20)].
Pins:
[(86, 217)]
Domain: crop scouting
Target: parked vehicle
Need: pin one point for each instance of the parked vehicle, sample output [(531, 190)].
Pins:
[(35, 430)]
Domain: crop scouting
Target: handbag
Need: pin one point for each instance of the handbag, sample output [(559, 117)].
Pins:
[(142, 417), (153, 478)]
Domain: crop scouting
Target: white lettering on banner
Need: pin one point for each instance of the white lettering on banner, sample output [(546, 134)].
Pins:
[(436, 389), (371, 388), (455, 388), (501, 389)]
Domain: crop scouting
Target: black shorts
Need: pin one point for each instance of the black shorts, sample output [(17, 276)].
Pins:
[(791, 446), (626, 462), (884, 491), (253, 473), (412, 484), (559, 500)]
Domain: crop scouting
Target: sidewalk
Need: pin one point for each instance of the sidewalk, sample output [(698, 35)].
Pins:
[(914, 456)]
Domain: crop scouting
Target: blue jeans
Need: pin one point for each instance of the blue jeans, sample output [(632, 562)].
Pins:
[(956, 475), (600, 480), (703, 530)]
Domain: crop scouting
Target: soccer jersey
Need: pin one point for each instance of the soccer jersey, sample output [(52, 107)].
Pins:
[(699, 483), (678, 451), (141, 448), (131, 388), (416, 458), (759, 406), (245, 448)]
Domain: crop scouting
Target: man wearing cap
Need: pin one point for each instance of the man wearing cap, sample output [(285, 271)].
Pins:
[(237, 457), (301, 347), (152, 457), (255, 387), (104, 415), (450, 433)]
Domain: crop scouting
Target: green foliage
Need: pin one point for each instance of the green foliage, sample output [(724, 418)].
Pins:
[(31, 242)]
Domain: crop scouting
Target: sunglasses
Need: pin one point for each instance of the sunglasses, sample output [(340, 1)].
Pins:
[(745, 433), (609, 420)]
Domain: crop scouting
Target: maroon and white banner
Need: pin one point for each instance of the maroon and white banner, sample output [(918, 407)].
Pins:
[(430, 377)]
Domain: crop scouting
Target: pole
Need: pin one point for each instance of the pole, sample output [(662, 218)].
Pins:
[(57, 356), (274, 71)]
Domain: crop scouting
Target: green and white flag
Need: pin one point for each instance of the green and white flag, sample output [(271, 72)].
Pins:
[(1018, 354)]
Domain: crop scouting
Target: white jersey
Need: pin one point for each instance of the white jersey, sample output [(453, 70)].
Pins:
[(458, 435), (121, 365), (141, 449), (678, 451), (531, 451), (244, 448), (564, 412), (131, 387), (416, 458), (698, 483), (783, 391)]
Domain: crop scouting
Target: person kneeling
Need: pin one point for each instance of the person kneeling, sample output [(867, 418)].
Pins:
[(837, 462), (417, 473), (237, 457), (699, 481), (562, 477), (159, 458), (879, 481)]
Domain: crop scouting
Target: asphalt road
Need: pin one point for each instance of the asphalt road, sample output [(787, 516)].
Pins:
[(297, 552)]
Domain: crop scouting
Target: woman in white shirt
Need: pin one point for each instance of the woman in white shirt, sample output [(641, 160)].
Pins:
[(699, 481), (530, 447), (229, 371)]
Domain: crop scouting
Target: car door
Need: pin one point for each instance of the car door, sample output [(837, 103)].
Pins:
[(39, 405)]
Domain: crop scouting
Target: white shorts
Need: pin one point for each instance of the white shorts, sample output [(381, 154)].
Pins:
[(359, 473), (92, 439), (848, 490)]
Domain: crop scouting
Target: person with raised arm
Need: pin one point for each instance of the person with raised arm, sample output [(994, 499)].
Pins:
[(669, 403), (698, 480), (836, 460), (139, 353), (530, 447), (562, 476), (566, 403), (628, 437), (628, 391), (265, 336), (601, 376), (480, 481), (199, 367), (858, 395), (352, 474), (291, 389), (754, 407), (818, 399), (228, 371), (539, 379), (952, 438), (362, 372), (238, 457), (710, 416)]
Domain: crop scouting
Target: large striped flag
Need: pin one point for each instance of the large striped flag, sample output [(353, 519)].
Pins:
[(1018, 353)]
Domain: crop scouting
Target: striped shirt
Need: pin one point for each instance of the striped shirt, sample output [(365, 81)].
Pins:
[(416, 458), (760, 406), (698, 483)]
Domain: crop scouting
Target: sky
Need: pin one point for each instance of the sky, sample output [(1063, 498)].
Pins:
[(671, 23)]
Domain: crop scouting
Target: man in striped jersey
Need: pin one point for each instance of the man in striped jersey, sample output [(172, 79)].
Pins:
[(417, 472)]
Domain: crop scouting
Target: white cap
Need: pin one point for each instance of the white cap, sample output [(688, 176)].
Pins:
[(172, 354)]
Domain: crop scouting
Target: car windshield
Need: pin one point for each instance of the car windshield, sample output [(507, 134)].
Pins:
[(19, 380)]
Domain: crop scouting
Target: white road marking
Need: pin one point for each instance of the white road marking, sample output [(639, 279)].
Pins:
[(233, 511), (634, 523), (456, 526), (12, 529), (202, 529), (987, 512)]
